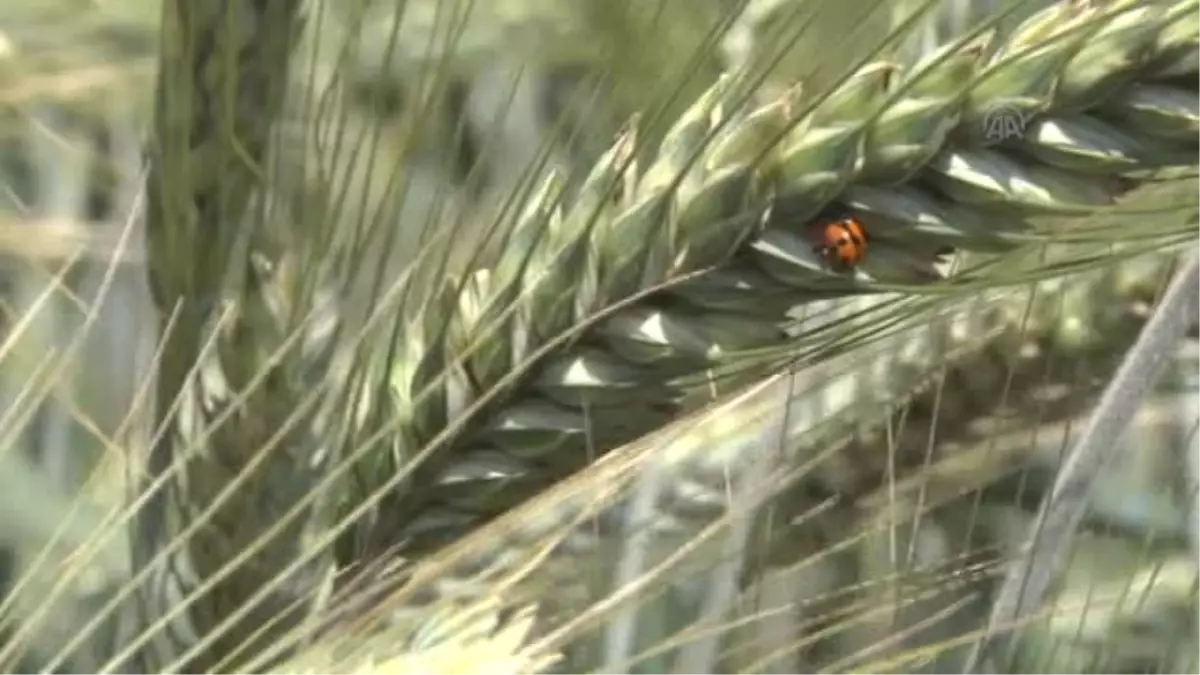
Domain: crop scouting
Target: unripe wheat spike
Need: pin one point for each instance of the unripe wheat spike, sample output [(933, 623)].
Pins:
[(913, 152)]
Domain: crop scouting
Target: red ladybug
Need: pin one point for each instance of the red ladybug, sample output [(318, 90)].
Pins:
[(844, 243)]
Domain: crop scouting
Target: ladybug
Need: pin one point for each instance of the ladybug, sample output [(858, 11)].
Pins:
[(843, 243)]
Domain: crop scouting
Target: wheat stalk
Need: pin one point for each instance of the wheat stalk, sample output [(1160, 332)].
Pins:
[(911, 152)]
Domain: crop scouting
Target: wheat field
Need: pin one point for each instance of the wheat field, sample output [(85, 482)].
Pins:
[(452, 336)]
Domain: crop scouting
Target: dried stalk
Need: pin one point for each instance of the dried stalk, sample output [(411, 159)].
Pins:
[(1027, 581)]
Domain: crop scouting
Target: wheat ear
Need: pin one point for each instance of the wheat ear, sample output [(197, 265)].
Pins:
[(245, 437), (1102, 95)]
